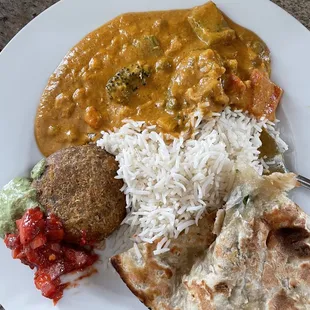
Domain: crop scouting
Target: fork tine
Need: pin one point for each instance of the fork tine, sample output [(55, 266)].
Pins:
[(303, 181)]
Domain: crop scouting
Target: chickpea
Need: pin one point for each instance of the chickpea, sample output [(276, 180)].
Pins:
[(52, 130), (79, 94), (64, 105), (71, 135), (93, 117), (94, 63), (118, 41), (60, 101)]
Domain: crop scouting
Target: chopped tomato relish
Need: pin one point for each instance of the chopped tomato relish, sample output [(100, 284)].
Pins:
[(39, 244)]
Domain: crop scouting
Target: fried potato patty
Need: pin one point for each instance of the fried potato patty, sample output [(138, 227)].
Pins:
[(79, 186)]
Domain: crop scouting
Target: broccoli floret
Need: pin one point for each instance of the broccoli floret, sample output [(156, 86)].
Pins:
[(126, 81)]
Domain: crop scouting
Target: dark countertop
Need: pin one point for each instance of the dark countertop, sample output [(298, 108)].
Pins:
[(16, 14)]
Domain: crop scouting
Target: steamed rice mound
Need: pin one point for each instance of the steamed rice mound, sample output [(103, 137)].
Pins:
[(171, 184), (79, 186)]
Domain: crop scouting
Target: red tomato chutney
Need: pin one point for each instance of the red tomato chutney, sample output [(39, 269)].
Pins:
[(39, 244)]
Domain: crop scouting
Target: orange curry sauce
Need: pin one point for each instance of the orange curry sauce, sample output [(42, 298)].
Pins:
[(159, 67)]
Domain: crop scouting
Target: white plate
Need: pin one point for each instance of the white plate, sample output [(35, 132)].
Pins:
[(30, 58)]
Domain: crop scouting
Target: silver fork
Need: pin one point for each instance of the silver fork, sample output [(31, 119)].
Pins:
[(277, 165)]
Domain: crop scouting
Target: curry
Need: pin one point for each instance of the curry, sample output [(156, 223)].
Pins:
[(159, 67)]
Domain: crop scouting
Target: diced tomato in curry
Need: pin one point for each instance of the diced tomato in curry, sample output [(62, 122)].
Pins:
[(39, 244), (266, 95)]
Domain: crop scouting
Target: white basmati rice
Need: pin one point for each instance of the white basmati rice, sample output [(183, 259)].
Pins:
[(169, 186)]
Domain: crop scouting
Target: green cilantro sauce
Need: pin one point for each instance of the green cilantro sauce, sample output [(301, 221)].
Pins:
[(16, 197)]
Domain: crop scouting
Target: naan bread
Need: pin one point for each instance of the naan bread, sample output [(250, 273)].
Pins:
[(155, 279), (259, 260)]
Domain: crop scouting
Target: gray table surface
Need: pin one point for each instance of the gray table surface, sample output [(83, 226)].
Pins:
[(15, 14)]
